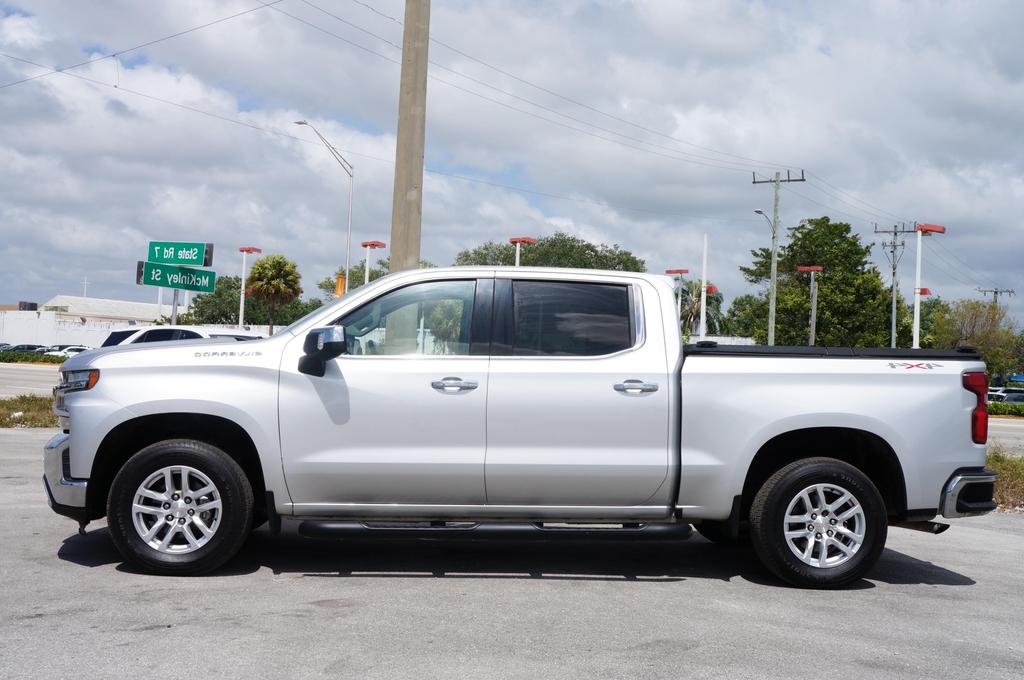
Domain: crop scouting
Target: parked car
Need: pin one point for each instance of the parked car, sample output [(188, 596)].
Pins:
[(476, 394), (996, 395), (46, 349), (4, 346), (134, 334), (68, 351), (23, 348), (1013, 398)]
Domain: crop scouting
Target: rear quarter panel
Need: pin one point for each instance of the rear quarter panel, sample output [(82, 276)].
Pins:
[(733, 405)]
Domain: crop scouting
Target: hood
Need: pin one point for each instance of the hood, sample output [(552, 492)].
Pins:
[(170, 353)]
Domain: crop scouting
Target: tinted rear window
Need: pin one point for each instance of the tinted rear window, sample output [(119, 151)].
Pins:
[(116, 338), (570, 319)]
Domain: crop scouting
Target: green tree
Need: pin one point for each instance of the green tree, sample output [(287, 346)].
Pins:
[(274, 280), (853, 303), (984, 325), (557, 250), (747, 317), (690, 315)]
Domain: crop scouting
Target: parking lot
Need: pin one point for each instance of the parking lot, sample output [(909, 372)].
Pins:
[(936, 606)]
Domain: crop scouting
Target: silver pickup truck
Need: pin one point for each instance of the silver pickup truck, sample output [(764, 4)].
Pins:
[(500, 395)]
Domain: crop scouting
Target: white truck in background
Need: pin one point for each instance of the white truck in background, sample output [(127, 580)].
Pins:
[(500, 395)]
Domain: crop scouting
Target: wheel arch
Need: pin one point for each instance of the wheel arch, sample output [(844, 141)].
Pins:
[(866, 451), (131, 436)]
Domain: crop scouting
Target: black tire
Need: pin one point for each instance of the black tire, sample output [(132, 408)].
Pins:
[(718, 533), (236, 511), (767, 524)]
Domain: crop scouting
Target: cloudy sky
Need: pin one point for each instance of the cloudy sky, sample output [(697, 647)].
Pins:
[(637, 123)]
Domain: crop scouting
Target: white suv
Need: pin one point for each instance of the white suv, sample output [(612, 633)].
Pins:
[(135, 334)]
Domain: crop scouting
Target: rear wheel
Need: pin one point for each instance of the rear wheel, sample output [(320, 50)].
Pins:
[(818, 523), (180, 507)]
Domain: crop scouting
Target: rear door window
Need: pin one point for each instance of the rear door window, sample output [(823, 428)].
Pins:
[(116, 338), (555, 318)]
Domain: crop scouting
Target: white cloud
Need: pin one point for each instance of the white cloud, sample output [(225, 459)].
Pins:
[(911, 109)]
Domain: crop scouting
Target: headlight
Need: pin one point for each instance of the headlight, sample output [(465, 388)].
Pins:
[(76, 381)]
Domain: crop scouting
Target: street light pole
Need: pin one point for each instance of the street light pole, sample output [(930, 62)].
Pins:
[(704, 288), (774, 224), (813, 269), (519, 241), (351, 171), (922, 231), (245, 250)]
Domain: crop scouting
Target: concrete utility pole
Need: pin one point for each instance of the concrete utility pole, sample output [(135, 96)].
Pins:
[(407, 204), (775, 243), (996, 292), (894, 254), (922, 230), (813, 269)]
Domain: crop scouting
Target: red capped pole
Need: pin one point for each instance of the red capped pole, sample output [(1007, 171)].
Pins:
[(244, 250), (812, 269), (518, 241), (922, 231), (370, 245)]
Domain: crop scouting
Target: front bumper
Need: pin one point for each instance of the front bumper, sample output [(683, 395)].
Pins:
[(967, 493), (65, 494)]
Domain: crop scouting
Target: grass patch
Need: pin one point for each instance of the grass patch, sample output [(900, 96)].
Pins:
[(29, 358), (1010, 483), (27, 411)]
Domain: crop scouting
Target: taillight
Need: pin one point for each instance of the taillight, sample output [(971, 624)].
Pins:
[(978, 384)]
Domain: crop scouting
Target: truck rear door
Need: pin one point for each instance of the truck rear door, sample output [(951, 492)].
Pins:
[(578, 395)]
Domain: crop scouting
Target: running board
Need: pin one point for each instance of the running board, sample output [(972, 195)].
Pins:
[(927, 527), (542, 531)]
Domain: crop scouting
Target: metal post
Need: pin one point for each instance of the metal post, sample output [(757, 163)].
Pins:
[(366, 269), (704, 288), (917, 293), (348, 241), (775, 261), (160, 303), (679, 302), (174, 308), (814, 308), (407, 201), (518, 244), (892, 330), (241, 294)]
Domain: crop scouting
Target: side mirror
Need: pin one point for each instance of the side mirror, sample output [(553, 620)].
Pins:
[(321, 345)]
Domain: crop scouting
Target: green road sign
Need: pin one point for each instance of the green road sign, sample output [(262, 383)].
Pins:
[(175, 252), (173, 276)]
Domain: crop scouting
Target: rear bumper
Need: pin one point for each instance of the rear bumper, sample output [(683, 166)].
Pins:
[(65, 494), (967, 493)]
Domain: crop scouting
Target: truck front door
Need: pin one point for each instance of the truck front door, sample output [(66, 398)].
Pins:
[(400, 418)]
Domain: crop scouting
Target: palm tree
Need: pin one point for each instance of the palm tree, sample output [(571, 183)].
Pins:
[(275, 280), (691, 309)]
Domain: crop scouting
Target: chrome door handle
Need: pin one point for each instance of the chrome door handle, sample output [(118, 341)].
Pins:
[(635, 387), (450, 385)]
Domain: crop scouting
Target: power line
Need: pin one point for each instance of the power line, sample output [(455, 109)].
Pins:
[(464, 178), (679, 155), (51, 71)]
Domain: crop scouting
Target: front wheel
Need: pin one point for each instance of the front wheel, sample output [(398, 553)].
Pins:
[(180, 506), (818, 523)]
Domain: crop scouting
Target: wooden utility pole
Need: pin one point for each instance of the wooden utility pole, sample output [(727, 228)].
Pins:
[(775, 245), (407, 204)]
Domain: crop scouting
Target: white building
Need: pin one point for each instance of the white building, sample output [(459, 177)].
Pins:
[(70, 319)]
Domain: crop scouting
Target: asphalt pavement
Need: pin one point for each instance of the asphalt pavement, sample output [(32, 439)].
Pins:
[(18, 379), (1007, 434), (288, 607)]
